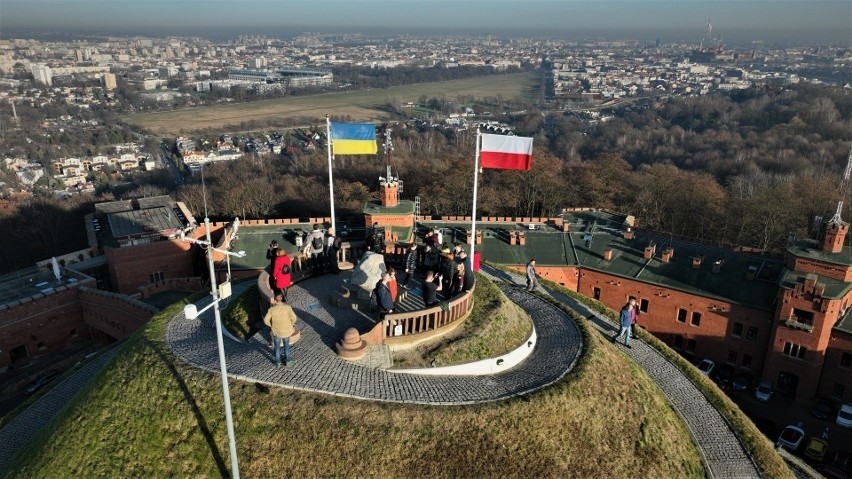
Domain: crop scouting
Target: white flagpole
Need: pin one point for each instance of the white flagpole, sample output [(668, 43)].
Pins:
[(475, 188), (330, 158)]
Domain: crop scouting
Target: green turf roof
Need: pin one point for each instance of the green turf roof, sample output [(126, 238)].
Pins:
[(845, 323), (551, 247), (403, 208), (729, 284), (810, 249), (834, 289), (255, 239)]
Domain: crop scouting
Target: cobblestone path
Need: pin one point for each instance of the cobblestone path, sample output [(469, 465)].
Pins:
[(28, 423), (723, 454)]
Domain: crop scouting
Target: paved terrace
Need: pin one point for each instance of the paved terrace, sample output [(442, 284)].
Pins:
[(319, 369)]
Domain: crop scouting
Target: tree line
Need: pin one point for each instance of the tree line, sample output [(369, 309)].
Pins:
[(746, 168)]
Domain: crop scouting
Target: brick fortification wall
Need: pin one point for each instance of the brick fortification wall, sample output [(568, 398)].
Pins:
[(131, 266), (115, 314), (172, 284), (42, 323)]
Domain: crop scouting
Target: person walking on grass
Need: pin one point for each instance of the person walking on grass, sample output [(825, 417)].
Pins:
[(281, 321), (626, 321), (532, 279)]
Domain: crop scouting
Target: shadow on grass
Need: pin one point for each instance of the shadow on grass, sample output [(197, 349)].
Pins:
[(199, 417)]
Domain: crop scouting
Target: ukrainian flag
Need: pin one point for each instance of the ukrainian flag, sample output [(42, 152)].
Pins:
[(353, 139)]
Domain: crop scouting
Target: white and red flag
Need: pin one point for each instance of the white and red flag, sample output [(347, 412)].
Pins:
[(506, 152)]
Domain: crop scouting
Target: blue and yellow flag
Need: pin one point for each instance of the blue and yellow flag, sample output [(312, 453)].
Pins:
[(353, 139)]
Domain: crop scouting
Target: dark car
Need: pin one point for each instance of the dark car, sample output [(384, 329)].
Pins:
[(742, 382), (40, 381), (723, 375), (824, 409)]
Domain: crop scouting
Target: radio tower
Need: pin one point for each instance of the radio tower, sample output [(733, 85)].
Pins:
[(835, 229), (390, 185), (843, 191)]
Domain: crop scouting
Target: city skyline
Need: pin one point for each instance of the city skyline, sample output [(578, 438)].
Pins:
[(757, 20)]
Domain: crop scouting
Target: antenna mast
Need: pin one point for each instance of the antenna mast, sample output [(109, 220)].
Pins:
[(843, 191), (388, 146)]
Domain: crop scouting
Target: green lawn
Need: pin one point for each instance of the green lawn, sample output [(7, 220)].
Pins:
[(358, 105), (495, 326), (761, 449), (150, 415)]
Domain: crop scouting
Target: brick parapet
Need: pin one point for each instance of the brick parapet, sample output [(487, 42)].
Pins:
[(171, 284), (115, 314)]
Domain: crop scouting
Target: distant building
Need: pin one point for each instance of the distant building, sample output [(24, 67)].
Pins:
[(109, 81), (167, 71), (42, 74), (293, 77)]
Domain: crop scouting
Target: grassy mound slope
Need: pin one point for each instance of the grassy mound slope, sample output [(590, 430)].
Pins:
[(150, 415), (494, 327), (770, 463)]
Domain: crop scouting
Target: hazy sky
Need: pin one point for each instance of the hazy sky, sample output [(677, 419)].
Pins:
[(822, 20)]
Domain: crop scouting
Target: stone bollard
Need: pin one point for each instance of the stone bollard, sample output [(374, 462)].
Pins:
[(351, 347)]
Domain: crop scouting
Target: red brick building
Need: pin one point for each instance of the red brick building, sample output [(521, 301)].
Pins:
[(786, 320), (141, 241), (810, 352)]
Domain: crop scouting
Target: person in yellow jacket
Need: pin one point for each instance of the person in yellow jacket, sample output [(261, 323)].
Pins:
[(282, 321)]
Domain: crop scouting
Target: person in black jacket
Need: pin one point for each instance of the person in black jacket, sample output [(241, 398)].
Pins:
[(431, 286), (383, 296)]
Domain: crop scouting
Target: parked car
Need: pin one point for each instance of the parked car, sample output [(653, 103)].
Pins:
[(40, 381), (791, 437), (706, 366), (844, 416), (816, 448), (824, 409), (742, 382), (723, 375), (763, 393)]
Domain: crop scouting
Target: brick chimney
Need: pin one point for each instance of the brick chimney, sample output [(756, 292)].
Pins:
[(717, 265), (751, 272), (650, 250), (667, 254), (834, 235), (696, 262), (608, 254)]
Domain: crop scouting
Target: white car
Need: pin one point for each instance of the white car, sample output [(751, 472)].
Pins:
[(791, 437), (706, 366), (763, 393), (844, 416)]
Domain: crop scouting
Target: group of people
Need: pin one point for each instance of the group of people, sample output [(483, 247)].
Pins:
[(322, 247), (449, 272)]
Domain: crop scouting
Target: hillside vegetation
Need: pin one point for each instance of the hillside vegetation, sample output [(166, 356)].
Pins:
[(495, 327), (149, 415)]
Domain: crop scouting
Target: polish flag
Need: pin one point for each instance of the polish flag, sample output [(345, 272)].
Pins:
[(506, 152)]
